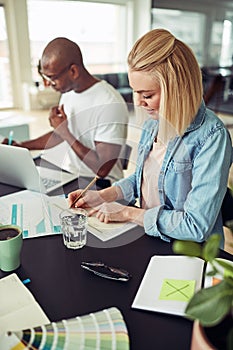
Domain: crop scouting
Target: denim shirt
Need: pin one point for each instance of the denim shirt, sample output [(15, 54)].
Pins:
[(192, 180)]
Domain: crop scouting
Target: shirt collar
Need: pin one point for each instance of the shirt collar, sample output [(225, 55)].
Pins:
[(199, 118)]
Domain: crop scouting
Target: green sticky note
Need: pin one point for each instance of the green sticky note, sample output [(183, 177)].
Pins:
[(177, 290)]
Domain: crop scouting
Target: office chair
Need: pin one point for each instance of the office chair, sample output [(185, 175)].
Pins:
[(227, 208)]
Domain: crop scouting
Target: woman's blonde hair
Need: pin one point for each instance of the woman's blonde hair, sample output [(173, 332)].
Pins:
[(176, 69)]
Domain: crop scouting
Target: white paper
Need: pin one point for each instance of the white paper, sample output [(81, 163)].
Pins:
[(38, 215), (167, 267), (54, 156), (18, 308), (105, 232)]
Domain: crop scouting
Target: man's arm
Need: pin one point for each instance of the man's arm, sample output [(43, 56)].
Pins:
[(100, 160), (42, 142), (45, 141), (48, 140)]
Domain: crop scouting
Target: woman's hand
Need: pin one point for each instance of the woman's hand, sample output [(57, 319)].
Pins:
[(93, 199), (108, 212), (89, 200)]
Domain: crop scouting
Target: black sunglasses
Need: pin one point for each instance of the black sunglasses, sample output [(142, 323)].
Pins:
[(103, 270)]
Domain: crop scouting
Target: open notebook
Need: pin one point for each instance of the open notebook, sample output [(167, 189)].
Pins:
[(18, 169)]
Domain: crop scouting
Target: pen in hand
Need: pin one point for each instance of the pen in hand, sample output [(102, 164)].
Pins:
[(84, 191), (10, 137)]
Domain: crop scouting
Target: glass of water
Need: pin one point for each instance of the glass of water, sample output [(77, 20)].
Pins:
[(74, 227)]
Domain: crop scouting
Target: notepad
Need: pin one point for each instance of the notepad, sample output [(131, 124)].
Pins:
[(18, 307), (105, 232), (169, 283)]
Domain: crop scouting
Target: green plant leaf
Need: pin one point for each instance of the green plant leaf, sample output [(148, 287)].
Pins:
[(187, 248), (227, 266), (212, 272), (229, 280), (211, 305), (211, 247)]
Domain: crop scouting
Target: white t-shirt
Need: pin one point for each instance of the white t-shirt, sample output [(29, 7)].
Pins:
[(151, 170), (96, 114)]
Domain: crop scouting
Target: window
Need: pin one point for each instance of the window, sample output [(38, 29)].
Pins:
[(6, 100), (186, 26), (221, 44), (98, 28)]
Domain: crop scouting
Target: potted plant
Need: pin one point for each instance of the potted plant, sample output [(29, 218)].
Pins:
[(211, 308)]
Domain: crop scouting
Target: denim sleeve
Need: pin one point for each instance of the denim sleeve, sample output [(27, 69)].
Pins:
[(128, 187), (200, 214)]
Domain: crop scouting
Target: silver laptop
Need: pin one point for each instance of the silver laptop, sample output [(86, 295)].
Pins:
[(17, 168)]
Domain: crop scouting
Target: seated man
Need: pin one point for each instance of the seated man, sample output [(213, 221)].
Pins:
[(91, 117)]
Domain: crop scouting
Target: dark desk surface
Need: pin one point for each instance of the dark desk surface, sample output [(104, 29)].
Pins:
[(65, 290)]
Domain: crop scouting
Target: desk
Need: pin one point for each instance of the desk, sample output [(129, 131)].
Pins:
[(64, 290)]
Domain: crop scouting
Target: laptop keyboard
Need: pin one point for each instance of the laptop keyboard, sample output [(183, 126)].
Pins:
[(48, 182)]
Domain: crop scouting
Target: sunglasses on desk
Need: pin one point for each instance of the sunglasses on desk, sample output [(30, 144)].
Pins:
[(105, 271)]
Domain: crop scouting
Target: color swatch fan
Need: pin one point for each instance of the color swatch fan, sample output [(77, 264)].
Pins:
[(102, 330)]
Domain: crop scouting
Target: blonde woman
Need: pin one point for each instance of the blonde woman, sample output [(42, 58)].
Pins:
[(184, 153)]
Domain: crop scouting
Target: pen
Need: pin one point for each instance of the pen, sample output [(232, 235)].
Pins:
[(85, 190), (10, 137)]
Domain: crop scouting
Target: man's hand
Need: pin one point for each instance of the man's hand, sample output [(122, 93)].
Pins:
[(58, 120), (13, 143)]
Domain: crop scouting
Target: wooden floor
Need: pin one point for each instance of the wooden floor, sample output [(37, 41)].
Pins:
[(39, 124)]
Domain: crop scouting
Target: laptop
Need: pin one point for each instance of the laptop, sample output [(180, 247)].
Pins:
[(17, 168)]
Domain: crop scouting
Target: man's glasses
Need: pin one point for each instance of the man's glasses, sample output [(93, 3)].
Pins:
[(51, 79)]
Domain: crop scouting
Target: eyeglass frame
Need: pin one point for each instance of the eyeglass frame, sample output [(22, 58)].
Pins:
[(54, 77)]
